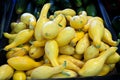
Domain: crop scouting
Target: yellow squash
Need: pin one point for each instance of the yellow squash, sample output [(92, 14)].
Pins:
[(61, 21), (78, 22), (66, 73), (18, 51), (66, 11), (9, 35), (28, 19), (45, 72), (65, 36), (21, 38), (50, 30), (23, 63), (41, 20), (82, 44), (18, 27), (94, 66), (107, 38), (19, 75), (6, 72), (51, 51), (12, 52), (96, 32), (36, 52)]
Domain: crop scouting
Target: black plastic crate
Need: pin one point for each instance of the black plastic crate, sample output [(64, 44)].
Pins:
[(114, 75), (112, 7)]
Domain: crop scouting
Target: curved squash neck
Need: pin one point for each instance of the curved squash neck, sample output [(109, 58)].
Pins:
[(44, 11), (107, 53)]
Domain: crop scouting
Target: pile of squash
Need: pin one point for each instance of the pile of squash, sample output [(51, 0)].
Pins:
[(63, 45)]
